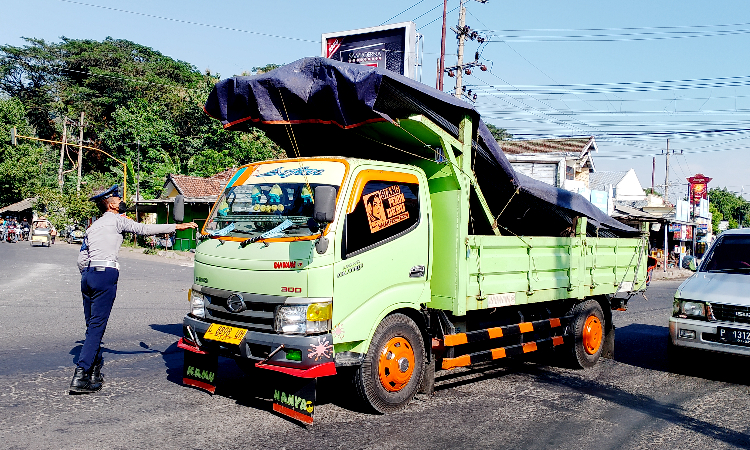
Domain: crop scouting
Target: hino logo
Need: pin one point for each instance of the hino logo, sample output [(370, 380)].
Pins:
[(236, 303), (742, 314)]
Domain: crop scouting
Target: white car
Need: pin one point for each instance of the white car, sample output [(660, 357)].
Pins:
[(712, 307)]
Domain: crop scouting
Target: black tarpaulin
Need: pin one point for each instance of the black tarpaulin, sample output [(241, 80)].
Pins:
[(331, 102)]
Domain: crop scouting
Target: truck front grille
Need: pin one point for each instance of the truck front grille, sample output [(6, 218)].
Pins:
[(257, 316), (731, 313)]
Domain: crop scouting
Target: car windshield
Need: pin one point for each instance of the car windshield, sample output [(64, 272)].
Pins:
[(273, 199), (730, 254)]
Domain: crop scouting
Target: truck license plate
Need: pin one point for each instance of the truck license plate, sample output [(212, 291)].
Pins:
[(225, 333), (734, 336)]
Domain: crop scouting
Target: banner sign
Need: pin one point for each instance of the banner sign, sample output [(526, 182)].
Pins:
[(698, 188), (392, 47)]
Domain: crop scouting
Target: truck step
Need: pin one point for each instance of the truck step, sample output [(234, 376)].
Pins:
[(502, 352), (451, 340)]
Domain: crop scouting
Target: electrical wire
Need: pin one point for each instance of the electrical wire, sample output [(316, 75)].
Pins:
[(219, 27), (407, 9)]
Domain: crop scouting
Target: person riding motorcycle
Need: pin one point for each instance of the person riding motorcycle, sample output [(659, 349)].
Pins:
[(25, 229)]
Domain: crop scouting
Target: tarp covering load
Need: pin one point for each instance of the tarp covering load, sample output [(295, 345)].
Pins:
[(347, 109)]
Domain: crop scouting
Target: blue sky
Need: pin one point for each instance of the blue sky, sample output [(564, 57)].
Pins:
[(556, 68)]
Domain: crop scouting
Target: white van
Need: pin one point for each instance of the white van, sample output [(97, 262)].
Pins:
[(712, 307)]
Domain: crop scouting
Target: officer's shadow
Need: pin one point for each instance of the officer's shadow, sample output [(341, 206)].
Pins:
[(76, 351)]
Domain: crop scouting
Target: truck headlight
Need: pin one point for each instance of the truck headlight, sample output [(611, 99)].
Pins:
[(303, 319), (686, 308), (197, 303)]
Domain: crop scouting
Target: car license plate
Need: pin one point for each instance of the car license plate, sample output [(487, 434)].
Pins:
[(734, 336), (225, 333)]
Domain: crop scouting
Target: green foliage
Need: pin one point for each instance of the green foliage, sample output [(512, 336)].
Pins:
[(732, 207), (500, 134), (266, 68), (716, 217), (65, 208), (129, 93)]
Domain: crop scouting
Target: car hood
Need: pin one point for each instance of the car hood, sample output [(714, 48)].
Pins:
[(729, 288)]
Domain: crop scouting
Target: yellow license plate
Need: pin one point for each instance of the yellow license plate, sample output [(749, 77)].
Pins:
[(225, 333)]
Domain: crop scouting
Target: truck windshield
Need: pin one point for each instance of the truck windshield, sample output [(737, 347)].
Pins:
[(730, 254), (260, 198)]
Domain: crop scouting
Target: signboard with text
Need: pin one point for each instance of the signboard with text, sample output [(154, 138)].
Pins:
[(392, 47), (698, 188)]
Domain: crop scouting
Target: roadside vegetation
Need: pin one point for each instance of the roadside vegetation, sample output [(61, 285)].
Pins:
[(129, 94)]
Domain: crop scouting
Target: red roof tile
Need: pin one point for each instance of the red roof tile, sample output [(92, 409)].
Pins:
[(201, 187)]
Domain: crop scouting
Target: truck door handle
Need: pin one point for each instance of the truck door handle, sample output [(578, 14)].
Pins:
[(416, 272)]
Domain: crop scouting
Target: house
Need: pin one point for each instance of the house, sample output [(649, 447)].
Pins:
[(199, 195), (624, 185), (564, 163)]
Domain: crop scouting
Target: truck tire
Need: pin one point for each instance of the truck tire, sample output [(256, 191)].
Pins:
[(587, 330), (392, 370)]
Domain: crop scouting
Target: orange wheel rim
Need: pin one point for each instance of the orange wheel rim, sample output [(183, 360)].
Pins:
[(592, 335), (396, 364)]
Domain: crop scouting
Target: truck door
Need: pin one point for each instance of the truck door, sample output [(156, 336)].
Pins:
[(383, 259)]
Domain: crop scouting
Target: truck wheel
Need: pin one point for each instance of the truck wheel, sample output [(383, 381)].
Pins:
[(587, 328), (392, 370)]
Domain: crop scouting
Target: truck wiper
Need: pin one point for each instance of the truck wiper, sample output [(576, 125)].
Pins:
[(272, 233)]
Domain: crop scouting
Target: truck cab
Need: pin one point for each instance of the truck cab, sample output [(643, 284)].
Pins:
[(317, 287)]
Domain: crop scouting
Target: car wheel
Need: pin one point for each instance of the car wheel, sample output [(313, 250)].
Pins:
[(587, 330), (392, 370)]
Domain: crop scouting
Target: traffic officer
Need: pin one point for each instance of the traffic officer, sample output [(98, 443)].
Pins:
[(100, 271)]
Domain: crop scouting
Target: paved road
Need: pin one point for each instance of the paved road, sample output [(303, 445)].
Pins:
[(632, 401)]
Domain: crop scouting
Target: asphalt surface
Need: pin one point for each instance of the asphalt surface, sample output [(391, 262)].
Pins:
[(633, 401)]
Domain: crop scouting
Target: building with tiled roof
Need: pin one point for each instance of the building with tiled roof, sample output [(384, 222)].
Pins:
[(625, 185), (564, 163), (196, 187)]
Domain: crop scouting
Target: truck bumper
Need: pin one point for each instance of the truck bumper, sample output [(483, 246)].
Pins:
[(704, 335), (316, 351)]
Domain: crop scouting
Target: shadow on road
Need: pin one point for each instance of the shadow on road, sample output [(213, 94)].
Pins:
[(174, 329), (646, 346)]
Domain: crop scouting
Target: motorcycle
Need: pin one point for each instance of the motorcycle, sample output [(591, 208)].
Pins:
[(11, 234), (75, 235), (25, 233)]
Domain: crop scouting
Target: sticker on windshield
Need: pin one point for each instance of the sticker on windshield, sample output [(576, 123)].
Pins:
[(284, 173), (385, 208)]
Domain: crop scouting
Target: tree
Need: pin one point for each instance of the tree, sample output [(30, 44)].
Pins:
[(500, 134), (733, 207)]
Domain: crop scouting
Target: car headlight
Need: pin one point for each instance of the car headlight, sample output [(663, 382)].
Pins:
[(197, 303), (686, 308), (303, 319)]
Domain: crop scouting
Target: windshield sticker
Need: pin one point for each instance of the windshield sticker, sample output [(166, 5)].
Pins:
[(385, 208), (284, 173)]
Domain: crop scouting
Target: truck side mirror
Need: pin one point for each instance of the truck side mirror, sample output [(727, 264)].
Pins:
[(325, 204), (178, 212)]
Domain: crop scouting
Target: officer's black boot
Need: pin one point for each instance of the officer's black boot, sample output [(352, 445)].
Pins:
[(96, 373), (82, 383)]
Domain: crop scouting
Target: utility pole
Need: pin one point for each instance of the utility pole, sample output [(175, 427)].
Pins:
[(666, 199), (441, 67), (137, 180), (80, 152), (461, 39), (62, 154)]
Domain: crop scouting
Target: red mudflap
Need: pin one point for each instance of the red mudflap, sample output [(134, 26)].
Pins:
[(190, 346), (322, 370)]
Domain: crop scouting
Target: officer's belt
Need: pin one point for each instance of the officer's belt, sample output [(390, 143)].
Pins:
[(103, 264)]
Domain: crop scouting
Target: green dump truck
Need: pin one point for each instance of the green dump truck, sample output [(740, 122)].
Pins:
[(415, 249)]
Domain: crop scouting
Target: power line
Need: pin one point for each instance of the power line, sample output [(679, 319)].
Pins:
[(622, 37), (109, 8), (407, 9)]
